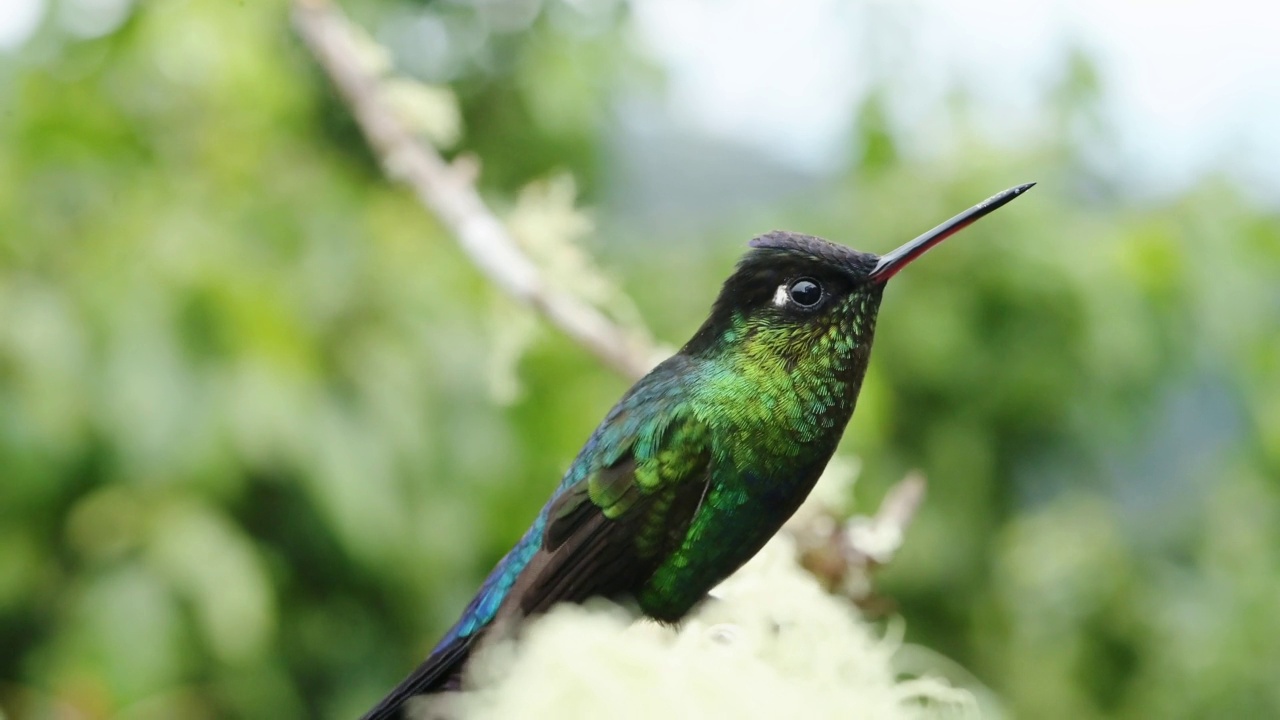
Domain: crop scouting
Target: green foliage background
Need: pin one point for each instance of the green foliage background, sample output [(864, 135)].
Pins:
[(251, 463)]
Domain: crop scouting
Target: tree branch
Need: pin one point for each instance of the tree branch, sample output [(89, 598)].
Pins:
[(874, 540), (844, 554), (449, 193)]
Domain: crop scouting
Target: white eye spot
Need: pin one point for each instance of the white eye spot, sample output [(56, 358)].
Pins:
[(780, 298)]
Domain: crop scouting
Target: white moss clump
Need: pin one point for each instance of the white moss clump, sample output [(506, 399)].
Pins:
[(773, 645)]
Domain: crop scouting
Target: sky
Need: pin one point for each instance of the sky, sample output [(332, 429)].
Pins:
[(1187, 82), (1190, 85)]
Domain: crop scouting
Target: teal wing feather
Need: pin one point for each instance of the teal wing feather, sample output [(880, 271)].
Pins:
[(606, 534), (626, 502)]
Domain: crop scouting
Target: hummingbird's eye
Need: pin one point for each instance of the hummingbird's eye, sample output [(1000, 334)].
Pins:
[(805, 292)]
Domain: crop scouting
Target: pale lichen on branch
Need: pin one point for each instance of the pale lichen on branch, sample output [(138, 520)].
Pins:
[(451, 195)]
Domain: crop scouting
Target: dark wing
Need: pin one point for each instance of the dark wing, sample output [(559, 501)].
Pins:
[(632, 494), (441, 671), (606, 534)]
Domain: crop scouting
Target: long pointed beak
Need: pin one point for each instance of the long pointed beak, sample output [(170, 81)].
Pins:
[(890, 264)]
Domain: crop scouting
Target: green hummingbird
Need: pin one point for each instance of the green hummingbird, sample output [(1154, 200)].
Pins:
[(704, 458)]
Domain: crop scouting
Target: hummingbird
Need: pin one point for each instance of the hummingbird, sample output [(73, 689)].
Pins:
[(704, 458)]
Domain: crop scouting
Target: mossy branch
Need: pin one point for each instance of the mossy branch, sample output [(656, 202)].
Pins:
[(449, 192)]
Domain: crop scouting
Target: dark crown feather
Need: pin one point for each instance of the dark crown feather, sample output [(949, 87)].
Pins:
[(856, 263), (775, 257)]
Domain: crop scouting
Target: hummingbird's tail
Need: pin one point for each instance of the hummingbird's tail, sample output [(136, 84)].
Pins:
[(440, 672)]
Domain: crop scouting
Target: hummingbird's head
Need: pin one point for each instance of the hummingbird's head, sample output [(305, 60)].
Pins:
[(789, 292), (795, 299)]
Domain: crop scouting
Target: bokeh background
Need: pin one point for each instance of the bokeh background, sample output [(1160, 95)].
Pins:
[(263, 428)]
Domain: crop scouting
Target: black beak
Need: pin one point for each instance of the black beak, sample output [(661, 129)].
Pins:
[(890, 264)]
